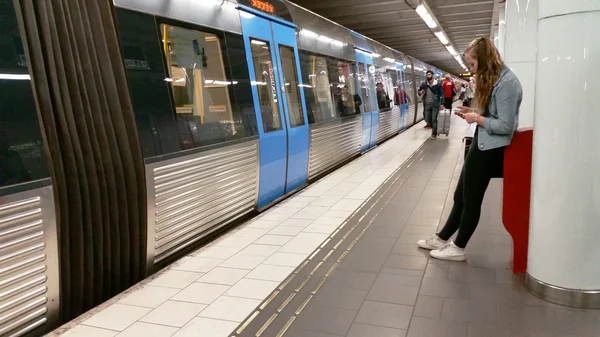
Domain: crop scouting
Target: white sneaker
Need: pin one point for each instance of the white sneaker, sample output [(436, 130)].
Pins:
[(434, 242), (450, 252)]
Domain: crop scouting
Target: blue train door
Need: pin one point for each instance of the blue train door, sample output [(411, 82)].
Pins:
[(272, 56), (369, 107)]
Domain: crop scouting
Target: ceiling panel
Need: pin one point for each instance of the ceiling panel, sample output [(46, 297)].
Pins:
[(396, 24)]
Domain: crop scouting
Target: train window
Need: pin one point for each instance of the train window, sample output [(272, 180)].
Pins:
[(146, 77), (407, 87), (319, 105), (21, 148), (291, 85), (364, 86), (266, 85), (242, 91), (342, 83)]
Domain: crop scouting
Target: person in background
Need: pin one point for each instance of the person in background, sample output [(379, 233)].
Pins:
[(348, 104), (433, 98), (469, 92), (383, 100), (496, 113), (449, 92), (462, 91)]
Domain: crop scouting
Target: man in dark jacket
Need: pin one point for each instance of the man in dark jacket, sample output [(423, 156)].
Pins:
[(433, 100)]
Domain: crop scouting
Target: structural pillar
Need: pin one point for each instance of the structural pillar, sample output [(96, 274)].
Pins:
[(564, 251), (519, 48), (501, 34)]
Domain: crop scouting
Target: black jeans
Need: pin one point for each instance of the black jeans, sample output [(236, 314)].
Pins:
[(479, 168)]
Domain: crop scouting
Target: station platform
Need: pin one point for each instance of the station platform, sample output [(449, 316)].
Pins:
[(340, 259)]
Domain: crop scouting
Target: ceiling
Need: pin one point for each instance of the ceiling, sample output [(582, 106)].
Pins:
[(396, 24)]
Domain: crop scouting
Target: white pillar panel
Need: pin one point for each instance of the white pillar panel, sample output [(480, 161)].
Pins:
[(501, 29), (564, 246), (520, 46)]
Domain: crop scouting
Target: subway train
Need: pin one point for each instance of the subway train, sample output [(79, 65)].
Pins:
[(237, 105)]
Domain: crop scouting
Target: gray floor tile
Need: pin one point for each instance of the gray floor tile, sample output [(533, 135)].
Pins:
[(528, 318), (429, 327), (400, 271), (385, 315), (406, 262), (471, 274), (411, 249), (352, 279), (397, 289), (466, 311), (363, 330), (325, 319), (429, 306), (579, 321), (308, 333), (330, 295), (437, 271), (444, 288)]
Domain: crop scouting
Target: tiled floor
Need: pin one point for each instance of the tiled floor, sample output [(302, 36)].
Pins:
[(385, 286), (210, 292)]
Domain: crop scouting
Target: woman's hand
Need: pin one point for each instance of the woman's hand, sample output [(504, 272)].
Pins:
[(471, 117)]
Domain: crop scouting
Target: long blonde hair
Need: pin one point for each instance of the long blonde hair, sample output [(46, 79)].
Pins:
[(489, 66)]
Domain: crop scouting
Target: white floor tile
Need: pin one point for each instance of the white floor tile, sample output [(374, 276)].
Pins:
[(338, 214), (251, 232), (302, 223), (224, 276), (275, 217), (285, 230), (234, 242), (347, 205), (174, 313), (202, 293), (296, 203), (148, 330), (285, 259), (117, 317), (358, 194), (270, 273), (322, 229), (324, 220), (260, 223), (327, 201), (175, 279), (207, 327), (89, 331), (303, 243), (274, 240), (303, 198), (217, 252), (310, 212), (254, 289), (230, 308), (286, 210), (196, 264), (260, 250), (243, 261), (148, 296)]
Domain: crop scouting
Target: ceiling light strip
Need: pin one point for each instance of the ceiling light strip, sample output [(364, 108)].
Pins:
[(426, 15)]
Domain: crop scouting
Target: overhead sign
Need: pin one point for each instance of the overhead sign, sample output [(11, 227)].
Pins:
[(271, 7)]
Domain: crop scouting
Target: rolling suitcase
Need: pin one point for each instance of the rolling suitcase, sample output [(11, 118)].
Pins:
[(443, 122)]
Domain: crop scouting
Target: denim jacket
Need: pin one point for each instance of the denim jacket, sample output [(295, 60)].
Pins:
[(502, 112)]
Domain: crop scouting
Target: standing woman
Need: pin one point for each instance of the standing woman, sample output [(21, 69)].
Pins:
[(495, 110)]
